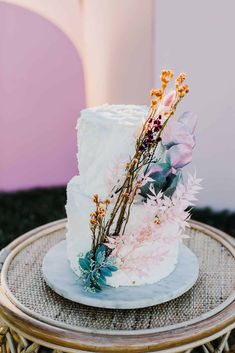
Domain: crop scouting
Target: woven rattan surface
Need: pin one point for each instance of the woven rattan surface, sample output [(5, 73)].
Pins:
[(215, 285)]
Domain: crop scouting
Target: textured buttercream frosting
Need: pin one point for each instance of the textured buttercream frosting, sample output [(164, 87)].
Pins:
[(106, 141)]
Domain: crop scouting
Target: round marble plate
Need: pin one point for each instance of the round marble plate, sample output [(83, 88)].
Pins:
[(59, 276)]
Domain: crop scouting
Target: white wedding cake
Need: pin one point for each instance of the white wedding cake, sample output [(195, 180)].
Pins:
[(127, 208), (106, 140)]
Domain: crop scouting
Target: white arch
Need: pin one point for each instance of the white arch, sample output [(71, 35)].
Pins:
[(65, 14), (114, 39)]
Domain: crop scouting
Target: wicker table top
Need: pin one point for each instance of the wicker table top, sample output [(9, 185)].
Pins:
[(29, 306)]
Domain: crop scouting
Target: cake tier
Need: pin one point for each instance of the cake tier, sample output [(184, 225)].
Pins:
[(106, 140), (143, 262)]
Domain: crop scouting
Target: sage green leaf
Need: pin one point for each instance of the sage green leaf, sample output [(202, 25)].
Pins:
[(172, 182), (88, 255), (112, 268), (84, 264), (106, 272), (100, 254), (101, 280), (96, 287)]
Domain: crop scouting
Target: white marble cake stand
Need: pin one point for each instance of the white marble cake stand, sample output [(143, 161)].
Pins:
[(59, 276)]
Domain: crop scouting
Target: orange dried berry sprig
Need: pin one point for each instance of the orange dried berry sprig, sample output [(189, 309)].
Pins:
[(97, 217), (93, 221), (181, 89), (157, 94), (95, 198), (180, 79), (101, 211), (166, 76)]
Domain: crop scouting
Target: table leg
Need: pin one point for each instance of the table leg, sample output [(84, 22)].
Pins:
[(223, 345), (11, 342)]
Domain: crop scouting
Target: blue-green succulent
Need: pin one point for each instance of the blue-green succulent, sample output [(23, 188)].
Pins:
[(172, 154), (95, 268)]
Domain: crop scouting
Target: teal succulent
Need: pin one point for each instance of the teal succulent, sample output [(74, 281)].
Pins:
[(173, 153), (163, 179), (95, 268)]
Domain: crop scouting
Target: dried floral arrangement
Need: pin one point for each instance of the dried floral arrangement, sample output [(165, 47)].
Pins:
[(153, 177)]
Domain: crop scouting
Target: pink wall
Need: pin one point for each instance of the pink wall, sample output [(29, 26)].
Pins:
[(41, 94)]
